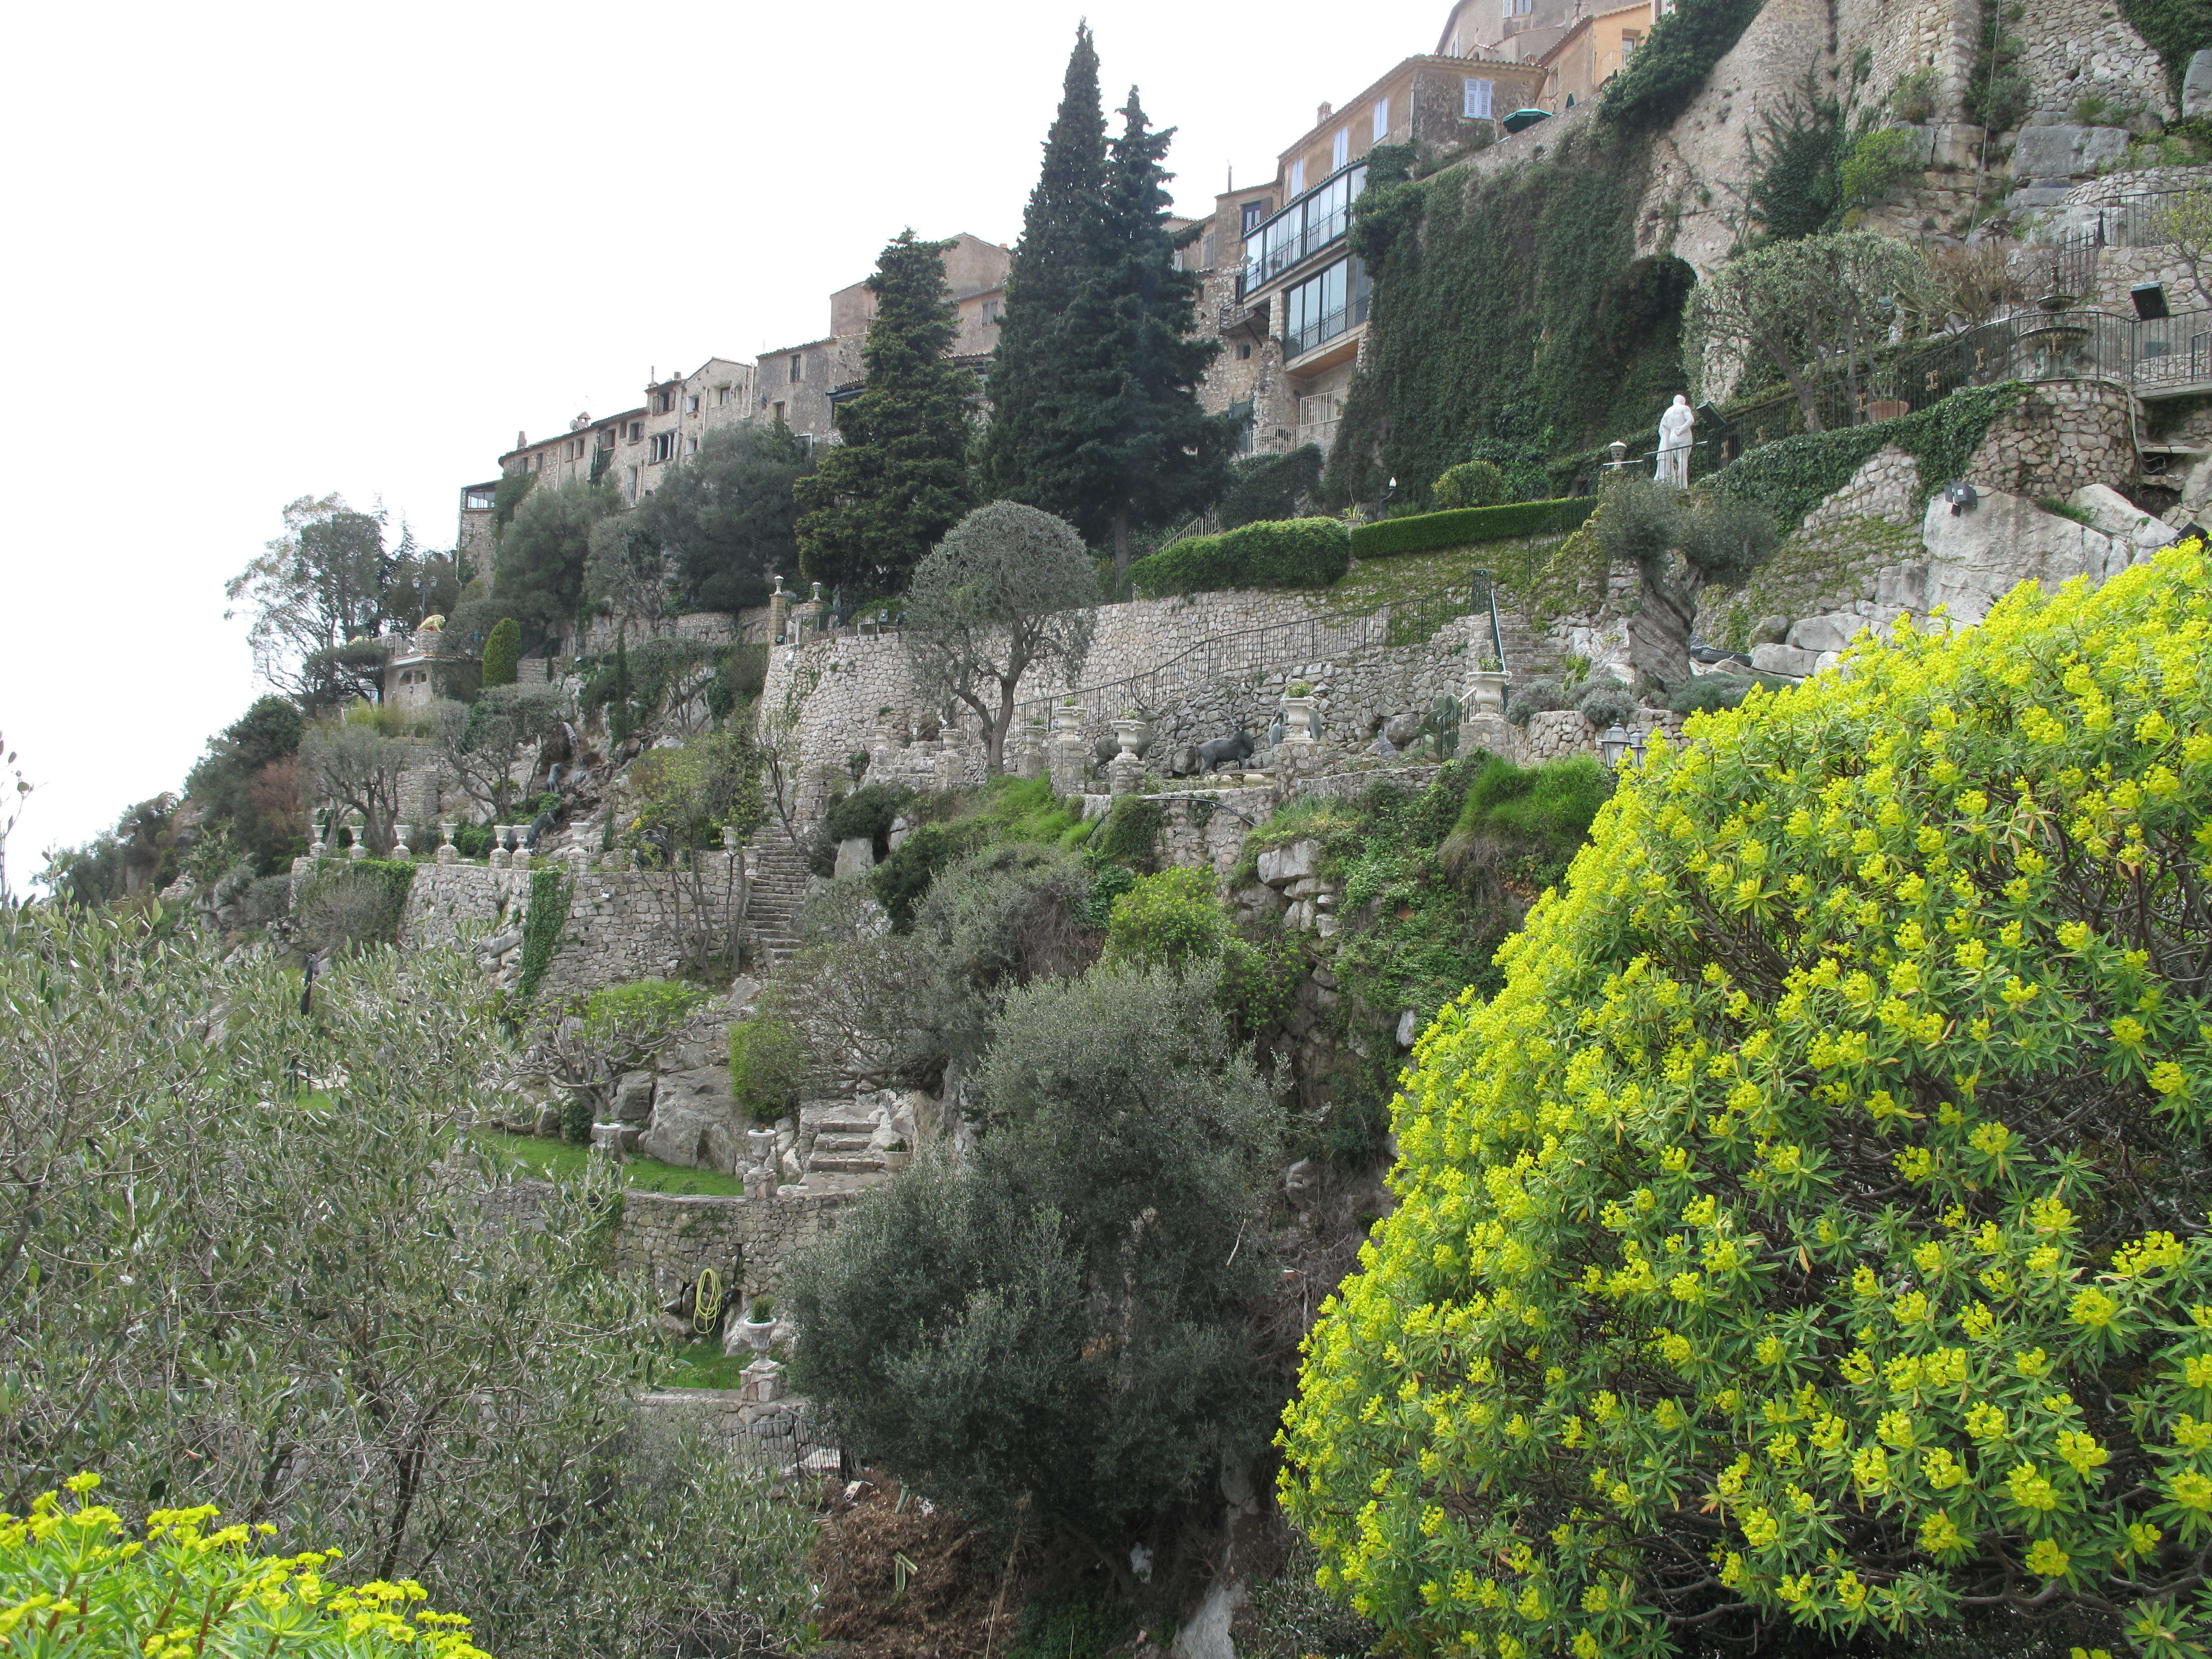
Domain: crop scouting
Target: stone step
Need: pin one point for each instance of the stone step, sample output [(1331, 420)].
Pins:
[(845, 1126), (835, 1143), (846, 1164)]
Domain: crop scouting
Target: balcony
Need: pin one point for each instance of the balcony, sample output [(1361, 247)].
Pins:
[(1307, 227), (1323, 308)]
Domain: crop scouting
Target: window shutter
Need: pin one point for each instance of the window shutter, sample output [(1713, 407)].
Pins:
[(1339, 149), (1477, 107), (1382, 120)]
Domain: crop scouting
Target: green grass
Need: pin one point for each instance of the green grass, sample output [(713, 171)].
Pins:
[(702, 1364), (551, 1160)]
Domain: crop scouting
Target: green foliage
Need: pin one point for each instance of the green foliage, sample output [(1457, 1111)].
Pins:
[(658, 1004), (1543, 813), (1271, 487), (683, 799), (1025, 809), (767, 1068), (1671, 65), (1168, 920), (1842, 1108), (1538, 696), (1703, 694), (725, 517), (557, 1160), (1284, 553), (1796, 151), (1510, 308), (168, 1345), (502, 653), (1131, 834), (137, 858), (1792, 476), (1607, 702), (900, 881), (1876, 163), (506, 496), (1723, 536), (1471, 484), (247, 786), (542, 920), (1094, 408), (1467, 526), (350, 905), (80, 1582), (1025, 1336), (1067, 1627), (867, 813), (1913, 98), (1998, 95), (886, 495), (543, 554)]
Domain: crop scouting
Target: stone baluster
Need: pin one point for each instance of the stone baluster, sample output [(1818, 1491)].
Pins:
[(447, 852)]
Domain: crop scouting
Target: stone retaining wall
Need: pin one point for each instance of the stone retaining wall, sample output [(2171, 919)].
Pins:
[(2061, 436)]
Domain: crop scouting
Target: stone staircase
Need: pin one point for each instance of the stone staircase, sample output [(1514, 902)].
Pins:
[(779, 889), (844, 1145)]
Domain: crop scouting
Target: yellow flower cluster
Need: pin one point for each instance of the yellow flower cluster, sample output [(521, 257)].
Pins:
[(1807, 1175), (74, 1580)]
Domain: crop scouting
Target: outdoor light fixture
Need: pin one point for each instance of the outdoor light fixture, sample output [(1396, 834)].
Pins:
[(1962, 496), (1613, 744), (2150, 302)]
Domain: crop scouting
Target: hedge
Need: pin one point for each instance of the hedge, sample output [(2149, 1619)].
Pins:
[(1274, 553), (1467, 526)]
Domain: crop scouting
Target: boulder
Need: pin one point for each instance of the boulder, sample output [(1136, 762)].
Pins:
[(1782, 660), (1280, 866), (1302, 1183), (2197, 86), (1976, 558), (2116, 515), (855, 857), (1831, 632), (1401, 729), (1771, 630), (1409, 1027), (634, 1098), (2046, 154), (695, 1122), (744, 990)]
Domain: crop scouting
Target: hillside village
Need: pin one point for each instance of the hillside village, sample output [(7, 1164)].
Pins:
[(1590, 373)]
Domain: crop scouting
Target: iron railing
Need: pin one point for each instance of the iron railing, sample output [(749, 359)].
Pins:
[(2138, 221), (1301, 230)]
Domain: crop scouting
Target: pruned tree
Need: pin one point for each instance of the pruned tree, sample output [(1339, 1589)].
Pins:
[(1009, 589), (581, 1045), (355, 761), (2185, 223), (1806, 309), (317, 595), (626, 572), (477, 742)]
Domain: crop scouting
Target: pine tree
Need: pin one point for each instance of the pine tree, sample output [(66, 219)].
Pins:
[(1024, 452), (885, 495), (1160, 456)]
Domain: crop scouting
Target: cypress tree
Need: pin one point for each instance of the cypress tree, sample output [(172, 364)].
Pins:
[(899, 481), (502, 653), (1025, 451), (1158, 456)]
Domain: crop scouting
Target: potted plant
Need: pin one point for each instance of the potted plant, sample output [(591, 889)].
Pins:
[(897, 1156), (758, 1322)]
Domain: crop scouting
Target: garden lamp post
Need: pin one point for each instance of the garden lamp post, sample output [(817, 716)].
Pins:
[(1612, 746)]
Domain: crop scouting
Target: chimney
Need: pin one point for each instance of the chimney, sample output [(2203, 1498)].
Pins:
[(521, 438), (1326, 110)]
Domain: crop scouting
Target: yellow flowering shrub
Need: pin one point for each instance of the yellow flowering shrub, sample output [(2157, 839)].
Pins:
[(1814, 1226), (73, 1580)]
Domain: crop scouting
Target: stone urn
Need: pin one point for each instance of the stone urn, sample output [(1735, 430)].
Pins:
[(1298, 719), (1130, 730), (896, 1157), (1485, 692), (1067, 719), (447, 852), (729, 840), (360, 847), (758, 1325)]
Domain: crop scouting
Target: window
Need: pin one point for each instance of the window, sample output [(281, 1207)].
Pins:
[(1321, 307), (692, 405), (1339, 150), (665, 403), (477, 500), (692, 445), (797, 368), (633, 483), (1206, 250), (637, 432), (1519, 8), (1254, 212), (664, 448), (991, 314), (1629, 41), (1298, 177), (778, 408), (1475, 105), (1383, 118), (721, 397), (1243, 351)]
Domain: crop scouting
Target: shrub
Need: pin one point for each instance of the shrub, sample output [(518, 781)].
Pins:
[(1607, 702), (767, 1068), (1168, 920), (1280, 553), (1270, 487), (1471, 484), (658, 1004), (353, 905), (1536, 696), (902, 880), (1913, 98), (1672, 63), (74, 1585), (867, 813), (1544, 810), (1424, 533), (1794, 1238), (502, 653), (268, 900), (1131, 834), (1876, 163)]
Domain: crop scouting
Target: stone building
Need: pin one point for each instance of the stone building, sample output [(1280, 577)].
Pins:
[(1594, 47), (1285, 292)]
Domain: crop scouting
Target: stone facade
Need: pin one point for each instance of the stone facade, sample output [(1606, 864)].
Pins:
[(2062, 435)]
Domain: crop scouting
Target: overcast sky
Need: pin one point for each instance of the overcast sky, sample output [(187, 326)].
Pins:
[(266, 251)]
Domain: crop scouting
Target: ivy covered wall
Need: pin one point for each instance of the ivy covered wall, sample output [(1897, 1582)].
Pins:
[(1510, 312)]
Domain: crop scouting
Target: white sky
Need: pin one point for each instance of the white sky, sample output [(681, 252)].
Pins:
[(262, 251)]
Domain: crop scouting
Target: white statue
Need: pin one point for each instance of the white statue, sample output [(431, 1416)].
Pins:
[(1674, 428)]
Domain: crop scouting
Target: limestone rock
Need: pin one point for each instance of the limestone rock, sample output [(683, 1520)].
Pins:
[(1831, 632), (2110, 511), (1782, 659), (1771, 630), (1401, 729), (2197, 86), (1279, 865), (1409, 1027), (1974, 559), (744, 990), (695, 1122), (855, 857), (634, 1098), (2057, 153)]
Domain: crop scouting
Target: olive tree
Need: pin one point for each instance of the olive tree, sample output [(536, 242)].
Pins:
[(1009, 589), (477, 742), (1800, 308), (250, 1256), (355, 761)]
